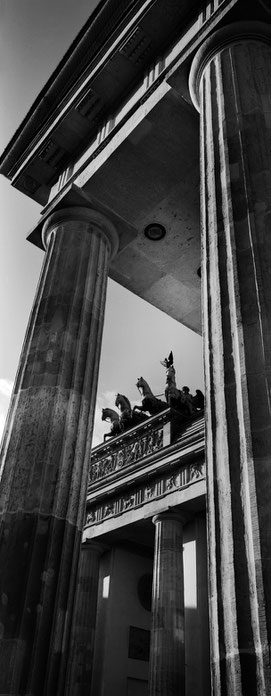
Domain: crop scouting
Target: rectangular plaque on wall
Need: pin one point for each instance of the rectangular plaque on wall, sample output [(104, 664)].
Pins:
[(139, 644)]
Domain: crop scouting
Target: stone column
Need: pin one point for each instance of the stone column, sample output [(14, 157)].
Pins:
[(231, 85), (45, 455), (84, 621), (166, 676)]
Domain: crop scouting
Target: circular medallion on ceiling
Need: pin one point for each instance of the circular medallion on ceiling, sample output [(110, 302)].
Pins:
[(155, 231)]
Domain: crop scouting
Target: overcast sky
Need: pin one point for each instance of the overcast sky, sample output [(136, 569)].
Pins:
[(34, 35)]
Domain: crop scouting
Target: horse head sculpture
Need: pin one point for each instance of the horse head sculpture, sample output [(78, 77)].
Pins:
[(122, 402), (109, 413), (142, 384)]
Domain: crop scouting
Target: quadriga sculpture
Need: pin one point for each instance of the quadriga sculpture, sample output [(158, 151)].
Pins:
[(179, 399)]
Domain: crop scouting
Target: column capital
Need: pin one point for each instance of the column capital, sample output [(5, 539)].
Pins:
[(99, 224), (219, 40), (174, 515)]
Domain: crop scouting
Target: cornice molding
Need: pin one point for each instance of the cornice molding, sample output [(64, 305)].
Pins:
[(104, 23)]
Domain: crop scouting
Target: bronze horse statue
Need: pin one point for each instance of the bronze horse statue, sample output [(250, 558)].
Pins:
[(125, 411), (150, 402), (128, 418), (113, 416)]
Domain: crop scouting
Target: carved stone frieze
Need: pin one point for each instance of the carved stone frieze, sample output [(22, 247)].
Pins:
[(196, 470), (126, 454), (158, 487), (90, 517)]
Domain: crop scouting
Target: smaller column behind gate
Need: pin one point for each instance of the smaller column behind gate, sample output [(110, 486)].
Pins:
[(167, 663)]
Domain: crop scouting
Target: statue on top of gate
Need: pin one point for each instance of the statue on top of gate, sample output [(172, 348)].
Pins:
[(180, 399)]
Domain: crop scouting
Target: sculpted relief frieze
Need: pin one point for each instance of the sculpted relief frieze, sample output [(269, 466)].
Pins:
[(126, 455), (158, 487)]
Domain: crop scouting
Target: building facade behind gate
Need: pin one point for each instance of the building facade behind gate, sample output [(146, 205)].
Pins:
[(149, 149)]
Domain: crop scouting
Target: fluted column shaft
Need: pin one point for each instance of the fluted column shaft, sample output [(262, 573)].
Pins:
[(166, 676), (46, 453), (82, 638), (231, 85)]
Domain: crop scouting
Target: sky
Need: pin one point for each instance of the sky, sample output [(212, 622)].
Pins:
[(34, 35)]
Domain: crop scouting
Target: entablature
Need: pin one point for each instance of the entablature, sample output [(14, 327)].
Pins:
[(154, 464), (132, 61), (156, 440)]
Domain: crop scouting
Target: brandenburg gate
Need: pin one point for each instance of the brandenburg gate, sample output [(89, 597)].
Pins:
[(149, 150)]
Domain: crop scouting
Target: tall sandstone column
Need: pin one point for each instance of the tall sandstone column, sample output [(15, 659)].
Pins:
[(167, 666), (46, 453), (230, 84), (82, 639)]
